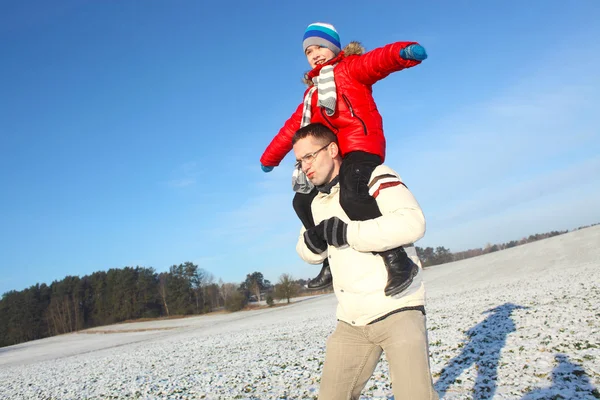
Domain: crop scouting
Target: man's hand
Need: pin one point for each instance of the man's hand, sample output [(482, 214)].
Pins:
[(413, 52), (265, 168), (333, 230)]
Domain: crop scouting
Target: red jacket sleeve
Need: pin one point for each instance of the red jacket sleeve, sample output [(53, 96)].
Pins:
[(282, 142), (379, 63)]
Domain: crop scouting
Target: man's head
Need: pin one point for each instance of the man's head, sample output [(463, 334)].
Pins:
[(317, 153), (321, 43)]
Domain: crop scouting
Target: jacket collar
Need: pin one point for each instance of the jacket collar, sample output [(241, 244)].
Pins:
[(315, 71), (351, 49), (326, 188)]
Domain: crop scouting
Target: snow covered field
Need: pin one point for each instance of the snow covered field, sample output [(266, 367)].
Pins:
[(522, 323)]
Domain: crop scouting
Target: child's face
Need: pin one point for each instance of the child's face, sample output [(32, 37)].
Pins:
[(316, 55)]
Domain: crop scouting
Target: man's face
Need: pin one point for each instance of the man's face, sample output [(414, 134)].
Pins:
[(317, 55), (317, 159)]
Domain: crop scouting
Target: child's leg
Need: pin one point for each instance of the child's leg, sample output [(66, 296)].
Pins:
[(355, 174), (302, 205)]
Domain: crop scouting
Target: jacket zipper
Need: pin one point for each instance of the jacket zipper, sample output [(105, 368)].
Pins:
[(354, 115)]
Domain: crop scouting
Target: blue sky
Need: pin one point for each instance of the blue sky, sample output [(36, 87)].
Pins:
[(130, 132)]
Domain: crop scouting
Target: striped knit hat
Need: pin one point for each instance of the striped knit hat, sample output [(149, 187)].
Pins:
[(323, 35)]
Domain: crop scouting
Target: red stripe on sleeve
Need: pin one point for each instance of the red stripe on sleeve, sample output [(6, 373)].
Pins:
[(386, 185)]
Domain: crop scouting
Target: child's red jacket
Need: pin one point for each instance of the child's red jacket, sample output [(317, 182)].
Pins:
[(356, 121)]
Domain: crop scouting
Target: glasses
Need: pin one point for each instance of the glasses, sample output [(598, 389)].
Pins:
[(311, 157)]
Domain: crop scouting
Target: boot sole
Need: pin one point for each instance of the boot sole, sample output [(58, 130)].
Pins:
[(399, 289), (318, 287)]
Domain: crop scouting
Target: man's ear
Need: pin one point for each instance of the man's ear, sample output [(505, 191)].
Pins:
[(334, 150)]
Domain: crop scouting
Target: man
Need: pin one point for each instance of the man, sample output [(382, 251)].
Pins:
[(369, 322)]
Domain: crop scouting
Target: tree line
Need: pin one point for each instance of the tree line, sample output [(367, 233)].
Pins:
[(117, 295), (441, 255), (122, 294)]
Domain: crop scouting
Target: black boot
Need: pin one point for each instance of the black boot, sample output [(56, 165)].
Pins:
[(401, 270), (323, 280)]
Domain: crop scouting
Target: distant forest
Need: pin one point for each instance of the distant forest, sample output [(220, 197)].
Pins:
[(441, 255), (130, 293)]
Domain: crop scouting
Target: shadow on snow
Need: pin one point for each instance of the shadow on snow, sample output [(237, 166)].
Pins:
[(482, 349), (569, 381)]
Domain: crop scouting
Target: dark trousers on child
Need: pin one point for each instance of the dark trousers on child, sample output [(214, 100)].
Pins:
[(355, 173)]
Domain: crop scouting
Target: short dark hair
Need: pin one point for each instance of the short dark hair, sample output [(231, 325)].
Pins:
[(318, 131)]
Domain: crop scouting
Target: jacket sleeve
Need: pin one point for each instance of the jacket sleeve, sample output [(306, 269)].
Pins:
[(306, 254), (282, 142), (402, 221), (379, 63)]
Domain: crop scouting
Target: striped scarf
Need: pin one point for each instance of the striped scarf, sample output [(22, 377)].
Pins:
[(327, 98), (324, 83)]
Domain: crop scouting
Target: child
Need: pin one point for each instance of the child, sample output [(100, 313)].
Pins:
[(340, 97)]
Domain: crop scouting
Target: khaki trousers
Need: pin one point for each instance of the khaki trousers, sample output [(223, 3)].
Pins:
[(354, 351)]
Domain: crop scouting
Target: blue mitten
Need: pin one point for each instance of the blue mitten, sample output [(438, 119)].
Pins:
[(265, 168), (413, 52)]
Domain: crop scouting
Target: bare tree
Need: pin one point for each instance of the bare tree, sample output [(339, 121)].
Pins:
[(286, 288), (255, 289), (207, 280), (221, 292), (62, 315), (226, 290), (162, 290)]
